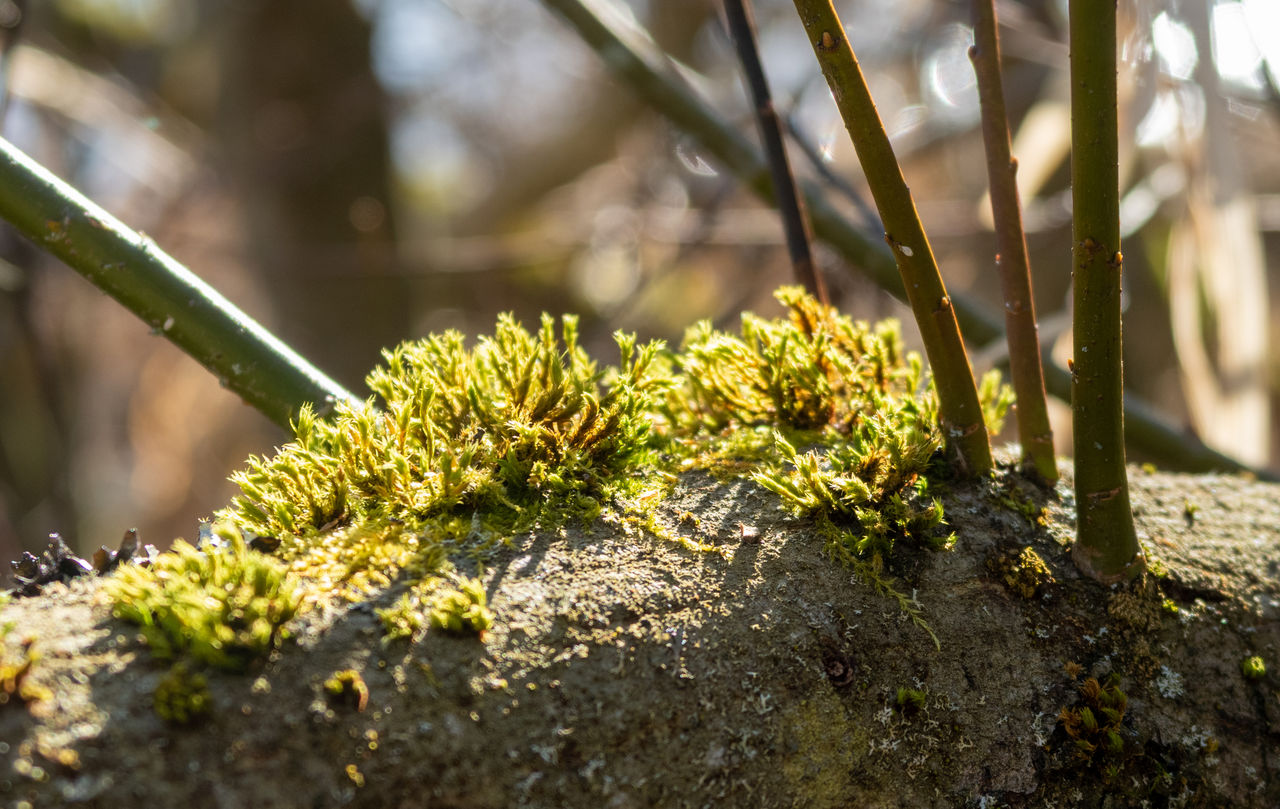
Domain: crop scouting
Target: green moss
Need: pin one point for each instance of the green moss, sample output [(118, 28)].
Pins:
[(1094, 726), (462, 611), (462, 446), (16, 683), (1023, 572), (224, 605), (452, 604), (521, 420), (1253, 668), (347, 686), (182, 696), (910, 701)]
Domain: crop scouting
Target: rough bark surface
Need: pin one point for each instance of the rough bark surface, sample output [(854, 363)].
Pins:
[(626, 671)]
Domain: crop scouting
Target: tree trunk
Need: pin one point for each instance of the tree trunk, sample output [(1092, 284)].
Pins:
[(626, 671)]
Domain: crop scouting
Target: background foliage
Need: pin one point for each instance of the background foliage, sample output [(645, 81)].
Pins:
[(357, 173)]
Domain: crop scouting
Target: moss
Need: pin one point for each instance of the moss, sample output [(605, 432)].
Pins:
[(1094, 726), (462, 446), (1023, 572), (224, 605), (16, 683), (1136, 610), (182, 696), (462, 611), (1253, 668), (909, 701), (348, 687), (822, 746), (454, 604)]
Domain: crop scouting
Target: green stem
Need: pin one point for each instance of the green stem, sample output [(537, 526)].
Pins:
[(637, 62), (129, 267), (958, 406), (1034, 429), (742, 30), (1106, 543)]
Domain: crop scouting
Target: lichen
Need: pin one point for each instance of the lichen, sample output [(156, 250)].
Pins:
[(224, 604)]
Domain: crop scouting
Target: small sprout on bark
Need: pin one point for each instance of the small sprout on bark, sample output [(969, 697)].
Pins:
[(1253, 668), (348, 687)]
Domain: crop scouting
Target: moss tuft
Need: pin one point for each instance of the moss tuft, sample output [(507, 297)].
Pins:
[(224, 604), (15, 671), (347, 686), (1023, 572), (182, 696), (1253, 668)]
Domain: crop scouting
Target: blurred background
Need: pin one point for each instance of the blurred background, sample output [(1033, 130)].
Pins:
[(357, 172)]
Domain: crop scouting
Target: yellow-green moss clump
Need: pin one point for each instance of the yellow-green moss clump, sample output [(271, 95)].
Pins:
[(224, 605), (1023, 572), (15, 671), (459, 609), (1253, 668), (182, 696), (464, 445)]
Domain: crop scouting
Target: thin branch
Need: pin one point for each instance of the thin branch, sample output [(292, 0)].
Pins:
[(958, 406), (129, 267), (1106, 543), (638, 63), (741, 27), (1034, 429)]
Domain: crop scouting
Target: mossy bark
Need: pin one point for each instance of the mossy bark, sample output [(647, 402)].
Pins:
[(624, 670)]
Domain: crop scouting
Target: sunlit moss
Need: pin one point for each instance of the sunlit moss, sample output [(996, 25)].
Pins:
[(462, 446), (520, 419), (16, 682), (224, 605)]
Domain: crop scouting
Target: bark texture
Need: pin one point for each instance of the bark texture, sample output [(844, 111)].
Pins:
[(627, 671)]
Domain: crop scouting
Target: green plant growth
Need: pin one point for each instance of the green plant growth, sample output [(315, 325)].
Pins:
[(462, 611), (458, 605), (1253, 668), (16, 682), (519, 420), (964, 431), (464, 446), (1095, 725), (1106, 543), (224, 605), (349, 687), (909, 701), (182, 696)]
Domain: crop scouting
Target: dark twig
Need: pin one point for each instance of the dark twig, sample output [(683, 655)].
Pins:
[(741, 27)]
